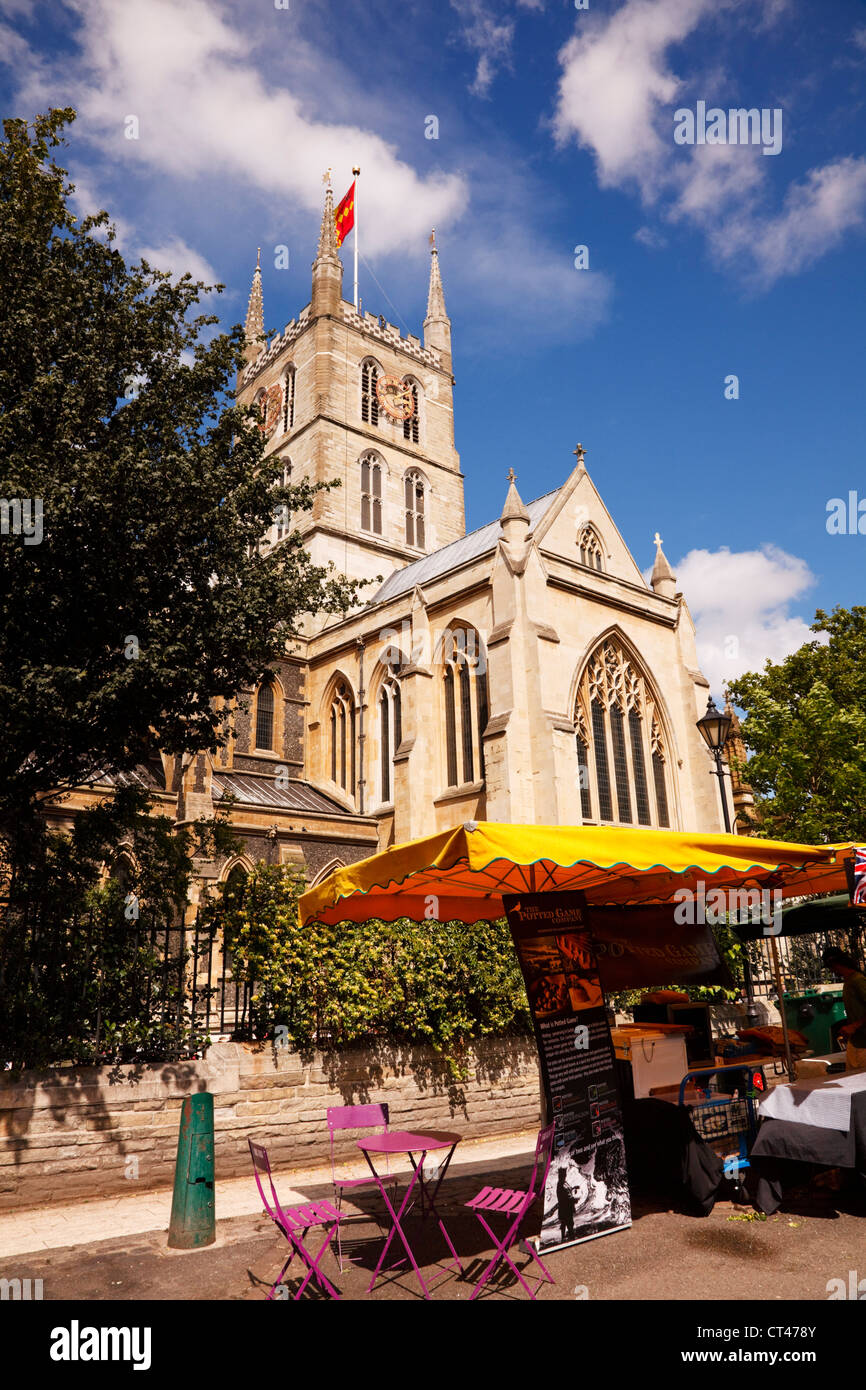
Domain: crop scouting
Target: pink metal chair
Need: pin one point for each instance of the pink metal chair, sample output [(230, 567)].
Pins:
[(294, 1223), (365, 1119), (503, 1201)]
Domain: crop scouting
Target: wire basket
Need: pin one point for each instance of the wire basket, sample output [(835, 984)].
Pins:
[(725, 1125)]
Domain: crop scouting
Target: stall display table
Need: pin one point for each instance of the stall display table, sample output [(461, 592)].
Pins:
[(819, 1123), (411, 1142)]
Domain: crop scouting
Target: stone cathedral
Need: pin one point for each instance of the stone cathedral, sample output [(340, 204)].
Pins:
[(522, 672)]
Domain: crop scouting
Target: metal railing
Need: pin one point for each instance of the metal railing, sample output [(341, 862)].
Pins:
[(92, 991)]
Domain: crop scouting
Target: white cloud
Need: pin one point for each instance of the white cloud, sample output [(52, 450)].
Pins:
[(614, 78), (205, 111), (490, 32), (651, 237), (489, 35), (216, 130), (176, 256), (741, 602), (815, 217), (616, 97)]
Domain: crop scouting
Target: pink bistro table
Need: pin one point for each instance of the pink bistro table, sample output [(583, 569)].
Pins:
[(411, 1142)]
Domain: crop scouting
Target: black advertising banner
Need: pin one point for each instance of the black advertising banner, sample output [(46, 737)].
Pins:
[(645, 947), (587, 1186)]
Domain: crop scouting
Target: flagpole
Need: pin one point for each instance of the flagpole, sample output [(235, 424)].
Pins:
[(356, 173)]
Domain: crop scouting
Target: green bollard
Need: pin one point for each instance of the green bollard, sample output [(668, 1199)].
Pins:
[(192, 1209)]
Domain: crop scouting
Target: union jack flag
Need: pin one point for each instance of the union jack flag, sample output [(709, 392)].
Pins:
[(860, 877)]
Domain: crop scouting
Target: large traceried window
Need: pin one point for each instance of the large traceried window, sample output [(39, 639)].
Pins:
[(589, 549), (415, 501), (466, 705), (619, 737), (371, 494), (369, 399), (265, 717), (343, 738), (390, 726), (411, 427)]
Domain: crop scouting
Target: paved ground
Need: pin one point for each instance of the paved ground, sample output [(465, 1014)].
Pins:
[(665, 1255), (99, 1219)]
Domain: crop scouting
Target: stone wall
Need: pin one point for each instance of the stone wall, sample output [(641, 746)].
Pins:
[(97, 1131)]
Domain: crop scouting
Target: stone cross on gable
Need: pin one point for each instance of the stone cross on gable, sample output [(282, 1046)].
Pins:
[(657, 538), (579, 453), (512, 476)]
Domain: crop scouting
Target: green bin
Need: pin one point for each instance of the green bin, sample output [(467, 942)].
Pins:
[(815, 1015)]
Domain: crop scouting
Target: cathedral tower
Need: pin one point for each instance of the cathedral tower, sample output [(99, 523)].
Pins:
[(345, 396)]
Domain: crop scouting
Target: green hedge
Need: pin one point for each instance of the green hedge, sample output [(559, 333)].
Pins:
[(441, 983)]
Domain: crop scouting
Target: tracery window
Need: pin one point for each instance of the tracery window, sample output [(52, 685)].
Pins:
[(415, 503), (589, 549), (282, 516), (390, 726), (343, 738), (265, 716), (466, 705), (289, 399), (618, 735), (369, 399), (411, 427), (371, 494)]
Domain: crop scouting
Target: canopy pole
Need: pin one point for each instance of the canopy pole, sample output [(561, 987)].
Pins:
[(777, 971)]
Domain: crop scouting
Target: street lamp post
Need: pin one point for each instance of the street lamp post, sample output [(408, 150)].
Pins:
[(715, 727)]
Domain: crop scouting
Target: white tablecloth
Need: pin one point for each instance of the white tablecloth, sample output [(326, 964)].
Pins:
[(825, 1102)]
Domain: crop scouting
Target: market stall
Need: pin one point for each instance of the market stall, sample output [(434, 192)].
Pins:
[(591, 910)]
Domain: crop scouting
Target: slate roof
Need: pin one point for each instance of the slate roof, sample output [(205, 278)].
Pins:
[(458, 553), (263, 791)]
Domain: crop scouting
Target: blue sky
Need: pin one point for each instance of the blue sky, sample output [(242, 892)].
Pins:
[(555, 129)]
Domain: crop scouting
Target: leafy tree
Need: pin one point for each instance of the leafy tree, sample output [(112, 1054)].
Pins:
[(805, 727), (147, 601), (88, 968)]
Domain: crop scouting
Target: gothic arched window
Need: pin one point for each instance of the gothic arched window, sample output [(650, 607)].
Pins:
[(658, 755), (371, 494), (390, 726), (589, 549), (415, 502), (369, 399), (411, 427), (618, 733), (343, 738), (265, 716), (289, 399), (282, 516), (234, 885), (464, 685)]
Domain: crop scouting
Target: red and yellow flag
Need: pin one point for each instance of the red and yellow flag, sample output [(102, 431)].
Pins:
[(344, 217)]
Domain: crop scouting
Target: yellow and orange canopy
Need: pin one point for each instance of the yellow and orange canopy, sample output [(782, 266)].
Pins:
[(461, 874)]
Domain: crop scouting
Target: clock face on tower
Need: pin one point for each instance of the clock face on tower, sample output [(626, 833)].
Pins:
[(270, 405), (395, 397)]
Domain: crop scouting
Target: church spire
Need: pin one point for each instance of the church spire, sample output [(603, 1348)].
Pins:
[(436, 294), (328, 233), (327, 267), (515, 522), (437, 325), (663, 580), (254, 326), (514, 510)]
